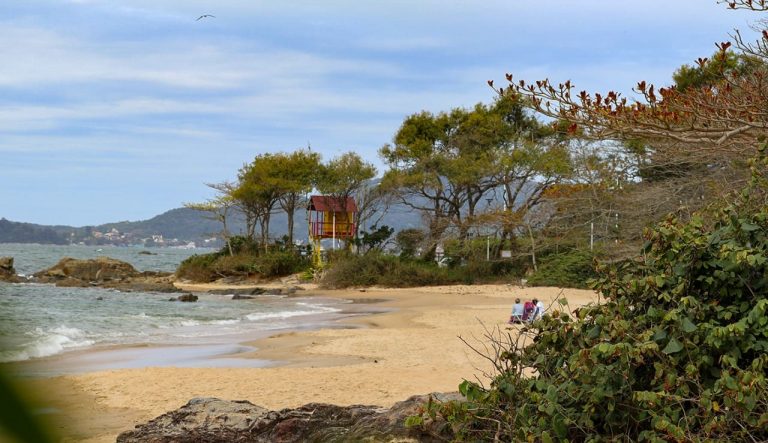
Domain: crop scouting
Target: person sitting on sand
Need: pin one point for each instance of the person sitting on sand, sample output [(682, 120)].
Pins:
[(517, 312), (538, 310), (528, 308)]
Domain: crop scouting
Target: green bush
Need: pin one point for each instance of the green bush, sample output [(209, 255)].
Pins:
[(240, 264), (376, 269), (278, 263), (677, 351), (209, 267), (242, 245), (569, 270), (198, 268)]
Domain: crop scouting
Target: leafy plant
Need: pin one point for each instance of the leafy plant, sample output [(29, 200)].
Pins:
[(247, 261), (572, 269)]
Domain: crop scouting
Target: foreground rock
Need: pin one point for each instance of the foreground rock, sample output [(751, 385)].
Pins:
[(7, 272), (219, 421), (105, 272)]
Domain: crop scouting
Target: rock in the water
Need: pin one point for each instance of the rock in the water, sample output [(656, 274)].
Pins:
[(214, 420), (107, 273), (96, 269), (7, 272), (187, 297), (242, 297), (239, 291)]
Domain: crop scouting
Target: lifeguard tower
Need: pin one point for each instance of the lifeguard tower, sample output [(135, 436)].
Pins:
[(330, 217)]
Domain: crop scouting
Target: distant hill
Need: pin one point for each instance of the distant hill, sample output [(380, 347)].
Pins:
[(15, 232), (181, 223)]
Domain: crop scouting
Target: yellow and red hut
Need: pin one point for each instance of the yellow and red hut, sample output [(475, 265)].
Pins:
[(330, 217)]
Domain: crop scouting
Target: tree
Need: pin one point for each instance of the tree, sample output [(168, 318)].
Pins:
[(710, 120), (375, 239), (219, 208), (344, 177), (258, 191), (409, 241), (677, 351), (445, 165), (689, 141), (296, 174)]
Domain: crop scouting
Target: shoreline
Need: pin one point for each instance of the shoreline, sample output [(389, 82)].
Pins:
[(238, 349), (376, 358)]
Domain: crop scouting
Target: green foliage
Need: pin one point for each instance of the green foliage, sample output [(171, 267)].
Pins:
[(278, 264), (712, 71), (343, 175), (241, 245), (375, 239), (409, 240), (248, 261), (377, 269), (677, 351), (446, 164), (571, 269), (198, 268)]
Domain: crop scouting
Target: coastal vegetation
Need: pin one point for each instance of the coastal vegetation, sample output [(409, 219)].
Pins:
[(242, 258), (675, 352), (658, 204), (676, 349)]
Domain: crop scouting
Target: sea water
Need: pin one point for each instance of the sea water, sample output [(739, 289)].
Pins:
[(39, 320)]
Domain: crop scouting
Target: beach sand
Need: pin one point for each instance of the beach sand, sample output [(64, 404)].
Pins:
[(377, 359)]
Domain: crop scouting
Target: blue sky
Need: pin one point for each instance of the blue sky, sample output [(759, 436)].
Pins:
[(120, 110)]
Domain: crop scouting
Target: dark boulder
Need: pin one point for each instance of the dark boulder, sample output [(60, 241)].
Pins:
[(186, 298), (213, 420), (238, 291), (242, 297)]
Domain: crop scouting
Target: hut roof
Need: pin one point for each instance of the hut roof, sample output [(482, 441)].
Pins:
[(331, 204)]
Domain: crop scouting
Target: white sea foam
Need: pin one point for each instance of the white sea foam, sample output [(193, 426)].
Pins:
[(316, 309), (225, 322), (49, 342)]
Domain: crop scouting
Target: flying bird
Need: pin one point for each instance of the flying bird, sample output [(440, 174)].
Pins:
[(205, 16)]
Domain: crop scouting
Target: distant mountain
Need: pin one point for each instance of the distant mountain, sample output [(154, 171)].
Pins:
[(182, 224)]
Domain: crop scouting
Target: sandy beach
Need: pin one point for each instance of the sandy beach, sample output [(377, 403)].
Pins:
[(413, 347)]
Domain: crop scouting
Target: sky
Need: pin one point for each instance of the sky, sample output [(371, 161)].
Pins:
[(121, 110)]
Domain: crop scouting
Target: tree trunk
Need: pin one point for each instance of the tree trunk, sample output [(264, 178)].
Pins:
[(533, 248)]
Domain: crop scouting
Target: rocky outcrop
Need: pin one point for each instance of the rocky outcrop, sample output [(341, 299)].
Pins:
[(220, 421), (91, 270), (7, 272), (104, 272)]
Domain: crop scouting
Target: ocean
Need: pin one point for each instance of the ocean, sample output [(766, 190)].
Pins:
[(136, 329)]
